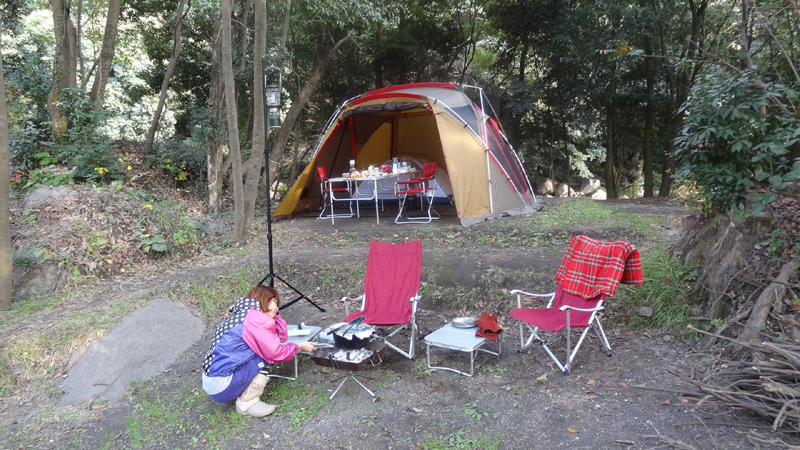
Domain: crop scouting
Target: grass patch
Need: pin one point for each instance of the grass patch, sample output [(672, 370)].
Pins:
[(462, 440), (297, 403), (667, 289), (32, 358), (213, 295)]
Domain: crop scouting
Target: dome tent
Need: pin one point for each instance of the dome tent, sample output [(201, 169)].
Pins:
[(423, 122)]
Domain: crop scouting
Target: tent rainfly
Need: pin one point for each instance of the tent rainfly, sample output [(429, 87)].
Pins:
[(423, 122)]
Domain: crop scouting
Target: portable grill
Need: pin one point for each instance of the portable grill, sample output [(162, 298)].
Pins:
[(325, 358)]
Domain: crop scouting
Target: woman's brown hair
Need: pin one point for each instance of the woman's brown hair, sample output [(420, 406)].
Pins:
[(263, 294)]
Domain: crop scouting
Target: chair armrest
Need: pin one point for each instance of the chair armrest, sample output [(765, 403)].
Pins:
[(521, 294), (347, 300), (528, 294), (567, 307)]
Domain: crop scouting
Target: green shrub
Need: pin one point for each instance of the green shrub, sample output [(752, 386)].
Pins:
[(737, 131)]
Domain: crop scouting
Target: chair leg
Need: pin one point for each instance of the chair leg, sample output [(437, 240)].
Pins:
[(598, 329), (418, 219), (414, 329)]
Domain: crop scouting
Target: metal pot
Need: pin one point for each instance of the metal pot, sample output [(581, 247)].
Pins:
[(354, 342)]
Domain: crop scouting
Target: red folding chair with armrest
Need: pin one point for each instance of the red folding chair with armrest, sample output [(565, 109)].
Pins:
[(391, 290), (329, 190), (422, 186), (589, 272)]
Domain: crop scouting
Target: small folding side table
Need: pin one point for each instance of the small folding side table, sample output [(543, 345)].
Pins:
[(296, 338), (460, 339)]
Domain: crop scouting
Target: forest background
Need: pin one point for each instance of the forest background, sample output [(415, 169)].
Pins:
[(129, 95)]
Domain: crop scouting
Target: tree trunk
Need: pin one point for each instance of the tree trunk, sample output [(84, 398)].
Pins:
[(681, 86), (611, 179), (256, 160), (176, 50), (649, 120), (6, 262), (65, 76), (79, 45), (287, 20), (106, 54), (216, 136), (233, 126)]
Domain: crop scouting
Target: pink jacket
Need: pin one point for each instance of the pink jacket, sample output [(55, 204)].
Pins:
[(267, 337)]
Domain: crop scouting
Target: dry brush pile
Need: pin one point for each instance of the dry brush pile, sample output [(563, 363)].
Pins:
[(749, 280)]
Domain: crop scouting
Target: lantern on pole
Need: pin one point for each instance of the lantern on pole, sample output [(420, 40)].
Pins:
[(272, 119), (272, 98)]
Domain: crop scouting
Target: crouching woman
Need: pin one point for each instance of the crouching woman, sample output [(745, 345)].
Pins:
[(244, 347)]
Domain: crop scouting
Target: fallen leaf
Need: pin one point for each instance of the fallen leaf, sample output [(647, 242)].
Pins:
[(620, 441), (630, 395), (607, 383), (435, 388), (591, 397), (98, 406), (266, 436), (623, 385), (665, 403), (572, 430), (542, 377), (326, 370), (591, 382), (417, 410)]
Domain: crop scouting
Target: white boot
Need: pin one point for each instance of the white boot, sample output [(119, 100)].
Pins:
[(249, 404)]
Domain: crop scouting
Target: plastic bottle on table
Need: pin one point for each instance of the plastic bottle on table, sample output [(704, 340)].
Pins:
[(405, 166), (395, 166)]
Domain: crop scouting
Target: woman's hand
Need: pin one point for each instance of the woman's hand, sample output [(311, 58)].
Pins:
[(307, 347)]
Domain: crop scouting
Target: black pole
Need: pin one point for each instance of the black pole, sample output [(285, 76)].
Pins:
[(271, 276)]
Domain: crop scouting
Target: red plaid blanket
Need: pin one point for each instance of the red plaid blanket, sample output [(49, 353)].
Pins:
[(591, 267)]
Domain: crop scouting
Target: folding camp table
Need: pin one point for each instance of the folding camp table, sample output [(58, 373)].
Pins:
[(373, 193), (297, 339), (460, 339)]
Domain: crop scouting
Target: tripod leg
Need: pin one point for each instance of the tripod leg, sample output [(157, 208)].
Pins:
[(301, 295)]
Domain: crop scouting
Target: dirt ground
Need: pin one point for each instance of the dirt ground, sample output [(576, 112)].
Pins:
[(633, 399)]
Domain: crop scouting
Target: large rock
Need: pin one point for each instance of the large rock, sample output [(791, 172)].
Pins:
[(47, 195), (544, 186), (589, 186), (562, 190), (37, 280), (599, 195), (139, 347)]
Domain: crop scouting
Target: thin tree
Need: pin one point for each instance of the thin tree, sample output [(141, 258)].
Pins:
[(253, 165), (216, 136), (65, 68), (233, 126), (106, 54), (680, 79), (5, 198), (176, 50)]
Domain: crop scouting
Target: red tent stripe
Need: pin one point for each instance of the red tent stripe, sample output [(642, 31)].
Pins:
[(369, 97), (517, 174), (510, 173), (413, 86), (352, 136)]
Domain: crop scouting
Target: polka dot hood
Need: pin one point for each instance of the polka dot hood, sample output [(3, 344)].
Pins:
[(238, 313)]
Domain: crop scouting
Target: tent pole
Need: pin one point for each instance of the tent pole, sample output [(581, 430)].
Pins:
[(271, 276)]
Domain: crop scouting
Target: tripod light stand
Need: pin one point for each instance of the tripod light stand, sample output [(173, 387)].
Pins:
[(272, 119)]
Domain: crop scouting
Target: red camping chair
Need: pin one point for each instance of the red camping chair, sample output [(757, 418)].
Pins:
[(329, 190), (422, 186), (391, 290), (589, 272)]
